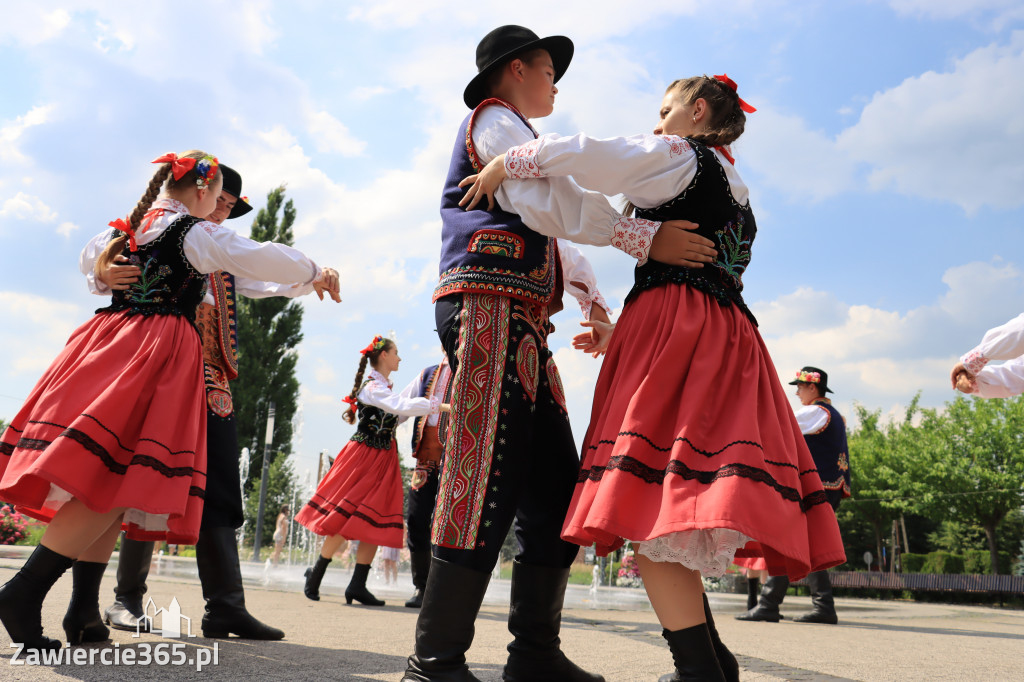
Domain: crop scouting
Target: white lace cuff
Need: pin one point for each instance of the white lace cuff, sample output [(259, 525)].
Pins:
[(435, 405), (634, 236), (521, 161), (974, 362), (587, 304)]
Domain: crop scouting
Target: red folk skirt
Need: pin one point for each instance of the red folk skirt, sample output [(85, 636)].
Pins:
[(118, 420), (360, 498), (691, 430)]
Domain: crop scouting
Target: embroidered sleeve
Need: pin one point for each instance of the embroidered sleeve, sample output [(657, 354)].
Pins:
[(1004, 342), (634, 236), (974, 361), (521, 161)]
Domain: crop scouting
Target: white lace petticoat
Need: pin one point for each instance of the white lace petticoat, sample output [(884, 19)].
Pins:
[(57, 496), (709, 551)]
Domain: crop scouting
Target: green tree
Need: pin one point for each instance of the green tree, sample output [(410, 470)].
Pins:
[(975, 472), (269, 330), (281, 486)]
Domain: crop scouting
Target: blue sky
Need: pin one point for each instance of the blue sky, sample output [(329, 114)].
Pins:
[(885, 164)]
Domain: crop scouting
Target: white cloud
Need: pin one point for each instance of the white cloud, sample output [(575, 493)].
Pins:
[(27, 207), (51, 323), (32, 23), (1000, 12), (332, 135), (66, 229), (951, 136), (11, 133)]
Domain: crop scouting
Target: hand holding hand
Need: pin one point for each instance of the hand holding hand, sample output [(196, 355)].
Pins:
[(327, 281), (676, 244), (118, 274), (595, 341), (963, 381), (484, 183)]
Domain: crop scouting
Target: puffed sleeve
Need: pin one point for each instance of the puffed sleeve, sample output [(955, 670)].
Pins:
[(1002, 380), (87, 262), (558, 207), (1004, 342), (378, 394), (579, 279), (812, 419), (210, 247), (251, 288)]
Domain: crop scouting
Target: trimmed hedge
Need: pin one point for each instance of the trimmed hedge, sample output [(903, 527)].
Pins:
[(912, 563), (941, 563)]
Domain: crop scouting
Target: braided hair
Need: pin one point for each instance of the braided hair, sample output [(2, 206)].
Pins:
[(726, 120), (349, 415)]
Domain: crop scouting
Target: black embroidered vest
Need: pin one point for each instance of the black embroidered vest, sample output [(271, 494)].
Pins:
[(829, 450), (707, 201), (376, 427), (168, 285)]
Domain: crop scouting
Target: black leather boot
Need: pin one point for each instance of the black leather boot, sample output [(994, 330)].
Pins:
[(82, 622), (726, 659), (357, 588), (753, 588), (535, 618), (221, 577), (21, 598), (314, 575), (824, 610), (420, 562), (694, 655), (772, 594), (133, 563), (446, 624)]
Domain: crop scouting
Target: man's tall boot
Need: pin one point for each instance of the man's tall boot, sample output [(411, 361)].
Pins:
[(221, 577), (824, 610), (420, 562), (767, 608), (133, 564), (535, 619), (753, 588), (446, 624)]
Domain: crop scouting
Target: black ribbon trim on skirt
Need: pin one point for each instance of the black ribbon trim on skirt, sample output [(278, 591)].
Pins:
[(348, 514), (649, 474), (196, 491), (6, 449)]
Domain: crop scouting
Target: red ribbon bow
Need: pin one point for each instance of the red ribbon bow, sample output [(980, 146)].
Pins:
[(369, 349), (350, 400), (125, 226), (179, 166), (732, 86)]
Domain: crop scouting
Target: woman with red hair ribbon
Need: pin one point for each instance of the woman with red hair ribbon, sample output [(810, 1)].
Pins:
[(693, 450), (361, 497)]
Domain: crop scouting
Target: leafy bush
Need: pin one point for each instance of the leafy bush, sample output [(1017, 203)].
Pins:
[(943, 563), (912, 563), (12, 525)]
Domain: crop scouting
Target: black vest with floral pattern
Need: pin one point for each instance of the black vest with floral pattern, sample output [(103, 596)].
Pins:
[(376, 427), (168, 285), (707, 201)]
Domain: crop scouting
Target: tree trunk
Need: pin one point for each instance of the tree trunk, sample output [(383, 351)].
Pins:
[(993, 550), (877, 527)]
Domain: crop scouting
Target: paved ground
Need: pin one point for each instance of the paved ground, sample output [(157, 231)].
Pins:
[(612, 632)]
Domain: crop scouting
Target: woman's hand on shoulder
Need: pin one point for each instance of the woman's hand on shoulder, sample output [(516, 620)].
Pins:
[(677, 244), (118, 275), (484, 183), (327, 281)]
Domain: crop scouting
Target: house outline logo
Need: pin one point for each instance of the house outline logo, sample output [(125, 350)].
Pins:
[(170, 620)]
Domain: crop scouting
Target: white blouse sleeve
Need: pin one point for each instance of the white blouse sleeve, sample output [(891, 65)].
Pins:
[(210, 247), (251, 288), (378, 394), (648, 169), (1004, 342), (558, 207), (812, 419), (87, 262), (1001, 381), (579, 279)]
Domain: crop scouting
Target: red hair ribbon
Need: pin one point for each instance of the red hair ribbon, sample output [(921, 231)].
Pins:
[(124, 226), (350, 400), (732, 86), (179, 166), (377, 341)]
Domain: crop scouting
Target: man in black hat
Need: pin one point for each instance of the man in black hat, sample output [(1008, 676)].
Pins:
[(824, 430), (216, 550)]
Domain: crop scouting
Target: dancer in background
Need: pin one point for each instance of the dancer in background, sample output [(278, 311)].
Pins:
[(114, 433), (360, 498)]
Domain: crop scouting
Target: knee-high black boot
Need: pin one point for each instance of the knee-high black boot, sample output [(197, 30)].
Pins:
[(357, 588), (21, 598), (221, 577), (753, 587), (535, 618), (82, 622), (694, 655), (772, 594), (420, 562), (824, 610), (446, 625), (133, 563), (314, 575), (726, 659)]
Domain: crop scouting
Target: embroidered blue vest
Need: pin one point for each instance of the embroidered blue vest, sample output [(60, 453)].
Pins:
[(707, 201), (831, 455), (489, 251), (376, 427), (168, 285)]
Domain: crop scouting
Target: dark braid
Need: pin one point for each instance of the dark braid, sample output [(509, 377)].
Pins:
[(349, 415)]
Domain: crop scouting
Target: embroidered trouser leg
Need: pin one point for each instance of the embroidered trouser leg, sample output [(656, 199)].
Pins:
[(509, 452)]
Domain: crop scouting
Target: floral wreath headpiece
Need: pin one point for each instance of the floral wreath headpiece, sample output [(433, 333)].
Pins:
[(205, 168), (808, 377), (377, 344)]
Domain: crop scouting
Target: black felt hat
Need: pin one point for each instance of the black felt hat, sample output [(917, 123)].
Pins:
[(504, 43), (813, 375), (233, 185)]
